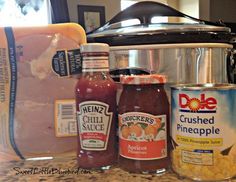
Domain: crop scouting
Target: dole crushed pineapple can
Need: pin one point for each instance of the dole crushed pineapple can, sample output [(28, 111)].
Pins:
[(204, 131)]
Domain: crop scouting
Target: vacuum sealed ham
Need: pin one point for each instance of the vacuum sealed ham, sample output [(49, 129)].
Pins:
[(37, 90)]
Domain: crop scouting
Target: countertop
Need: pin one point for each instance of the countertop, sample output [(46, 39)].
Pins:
[(66, 169)]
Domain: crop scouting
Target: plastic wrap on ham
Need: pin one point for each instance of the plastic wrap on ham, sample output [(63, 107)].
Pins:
[(33, 95)]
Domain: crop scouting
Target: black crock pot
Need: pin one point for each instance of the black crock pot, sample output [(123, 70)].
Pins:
[(187, 43)]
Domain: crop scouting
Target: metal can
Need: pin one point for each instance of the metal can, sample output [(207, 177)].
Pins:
[(204, 131)]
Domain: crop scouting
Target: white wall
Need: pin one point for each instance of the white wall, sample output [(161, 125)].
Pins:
[(174, 4), (212, 10), (112, 7), (161, 1), (189, 7)]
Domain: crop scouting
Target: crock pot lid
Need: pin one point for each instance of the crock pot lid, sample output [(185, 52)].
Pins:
[(171, 46), (159, 28), (115, 34)]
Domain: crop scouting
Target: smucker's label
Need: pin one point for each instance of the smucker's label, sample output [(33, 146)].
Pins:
[(204, 133), (94, 123), (142, 136)]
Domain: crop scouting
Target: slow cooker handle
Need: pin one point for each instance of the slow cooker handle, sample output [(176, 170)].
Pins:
[(145, 11)]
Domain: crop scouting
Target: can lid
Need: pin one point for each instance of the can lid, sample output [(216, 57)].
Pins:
[(204, 87), (94, 47), (143, 79)]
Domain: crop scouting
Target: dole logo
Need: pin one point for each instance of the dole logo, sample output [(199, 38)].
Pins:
[(195, 104)]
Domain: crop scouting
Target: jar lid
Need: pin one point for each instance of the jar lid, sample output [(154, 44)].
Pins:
[(94, 47), (143, 79)]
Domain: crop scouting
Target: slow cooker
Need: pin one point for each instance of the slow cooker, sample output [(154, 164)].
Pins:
[(195, 52)]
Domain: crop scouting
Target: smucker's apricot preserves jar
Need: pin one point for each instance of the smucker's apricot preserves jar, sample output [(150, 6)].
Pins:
[(143, 124)]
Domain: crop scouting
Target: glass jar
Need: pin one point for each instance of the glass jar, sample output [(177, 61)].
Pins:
[(144, 134), (96, 109)]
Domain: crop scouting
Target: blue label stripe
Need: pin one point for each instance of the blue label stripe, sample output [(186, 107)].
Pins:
[(13, 87), (204, 151), (183, 110)]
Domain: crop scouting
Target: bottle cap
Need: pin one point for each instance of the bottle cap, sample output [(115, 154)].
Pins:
[(143, 79), (94, 47)]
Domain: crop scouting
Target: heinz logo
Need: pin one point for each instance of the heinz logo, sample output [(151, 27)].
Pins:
[(202, 104)]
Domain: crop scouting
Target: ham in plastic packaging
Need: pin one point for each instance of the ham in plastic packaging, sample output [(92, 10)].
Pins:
[(37, 109)]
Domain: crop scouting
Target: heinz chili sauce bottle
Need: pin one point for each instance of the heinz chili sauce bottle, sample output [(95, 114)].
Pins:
[(96, 109)]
